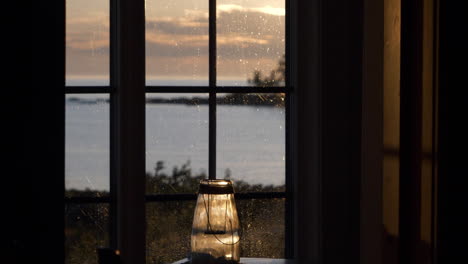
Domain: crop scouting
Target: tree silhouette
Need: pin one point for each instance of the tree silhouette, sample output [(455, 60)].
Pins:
[(169, 224), (276, 77)]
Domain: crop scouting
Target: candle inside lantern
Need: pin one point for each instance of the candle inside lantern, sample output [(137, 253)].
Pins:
[(215, 232)]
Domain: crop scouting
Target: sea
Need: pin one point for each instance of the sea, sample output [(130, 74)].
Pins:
[(250, 138)]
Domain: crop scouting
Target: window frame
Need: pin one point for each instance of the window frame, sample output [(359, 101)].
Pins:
[(127, 91), (327, 217)]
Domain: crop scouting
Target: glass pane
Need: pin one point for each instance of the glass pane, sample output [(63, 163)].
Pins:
[(176, 142), (177, 42), (251, 42), (262, 223), (87, 145), (87, 42), (251, 141), (169, 226), (86, 229)]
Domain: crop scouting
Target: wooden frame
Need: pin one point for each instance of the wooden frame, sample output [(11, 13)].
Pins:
[(127, 78), (337, 114)]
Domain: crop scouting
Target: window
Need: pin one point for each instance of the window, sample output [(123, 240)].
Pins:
[(214, 103), (326, 71), (87, 127)]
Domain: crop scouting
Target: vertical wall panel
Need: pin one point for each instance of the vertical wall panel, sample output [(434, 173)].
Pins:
[(391, 130)]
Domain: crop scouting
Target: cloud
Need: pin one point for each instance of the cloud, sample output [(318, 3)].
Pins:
[(253, 33), (266, 9), (88, 33), (94, 19), (178, 26), (246, 36), (196, 14), (87, 41)]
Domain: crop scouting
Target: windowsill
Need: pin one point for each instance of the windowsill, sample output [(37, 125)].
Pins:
[(250, 261)]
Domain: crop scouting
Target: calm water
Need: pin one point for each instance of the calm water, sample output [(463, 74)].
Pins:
[(251, 140)]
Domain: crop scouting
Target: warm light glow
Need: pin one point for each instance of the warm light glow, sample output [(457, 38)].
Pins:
[(215, 230)]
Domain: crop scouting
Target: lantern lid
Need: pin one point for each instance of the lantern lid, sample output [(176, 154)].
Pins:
[(216, 187)]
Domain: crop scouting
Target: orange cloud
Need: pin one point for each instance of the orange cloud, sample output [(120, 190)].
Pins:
[(248, 39)]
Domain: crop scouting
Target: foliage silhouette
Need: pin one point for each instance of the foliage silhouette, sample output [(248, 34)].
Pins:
[(169, 224), (277, 76)]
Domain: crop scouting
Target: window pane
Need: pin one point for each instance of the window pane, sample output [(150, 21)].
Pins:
[(262, 223), (177, 42), (87, 42), (251, 141), (86, 228), (176, 142), (251, 42), (169, 226), (87, 145)]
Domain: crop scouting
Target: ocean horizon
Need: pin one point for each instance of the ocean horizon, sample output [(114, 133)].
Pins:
[(102, 81), (250, 140)]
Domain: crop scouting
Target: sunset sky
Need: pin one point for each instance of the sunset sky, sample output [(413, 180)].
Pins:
[(250, 37)]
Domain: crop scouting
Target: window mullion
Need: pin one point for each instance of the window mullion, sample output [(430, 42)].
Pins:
[(290, 123), (212, 84), (217, 89), (127, 77)]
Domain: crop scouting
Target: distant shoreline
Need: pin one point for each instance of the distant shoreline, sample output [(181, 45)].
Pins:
[(273, 100)]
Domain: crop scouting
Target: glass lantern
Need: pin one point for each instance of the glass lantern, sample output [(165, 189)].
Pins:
[(215, 232)]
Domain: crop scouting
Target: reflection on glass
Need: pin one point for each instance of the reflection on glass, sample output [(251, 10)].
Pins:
[(177, 42), (87, 42), (176, 142), (86, 228), (251, 141), (250, 42), (87, 145)]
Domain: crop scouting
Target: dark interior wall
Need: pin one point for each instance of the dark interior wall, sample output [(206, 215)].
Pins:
[(451, 224), (34, 144), (416, 132), (391, 130), (410, 130), (432, 134), (341, 73), (372, 136)]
